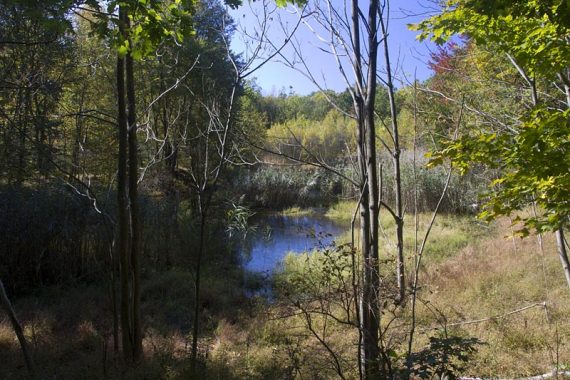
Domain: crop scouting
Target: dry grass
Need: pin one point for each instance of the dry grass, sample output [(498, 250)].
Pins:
[(70, 332), (494, 277), (297, 211), (470, 273), (474, 272), (67, 335)]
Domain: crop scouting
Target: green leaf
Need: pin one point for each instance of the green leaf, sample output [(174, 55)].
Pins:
[(123, 49)]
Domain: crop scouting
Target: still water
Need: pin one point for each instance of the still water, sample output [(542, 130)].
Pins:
[(279, 234)]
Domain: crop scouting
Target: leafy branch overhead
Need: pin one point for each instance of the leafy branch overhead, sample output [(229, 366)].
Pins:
[(533, 152), (533, 32), (152, 22), (533, 164)]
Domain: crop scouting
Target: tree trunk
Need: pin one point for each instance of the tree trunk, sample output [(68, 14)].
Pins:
[(114, 274), (134, 209), (196, 322), (169, 154), (563, 254), (400, 267), (560, 242), (371, 269), (122, 202), (368, 305), (8, 309)]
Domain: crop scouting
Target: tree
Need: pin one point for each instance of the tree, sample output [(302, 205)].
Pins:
[(35, 56), (356, 37), (141, 28), (533, 152), (220, 134), (135, 32)]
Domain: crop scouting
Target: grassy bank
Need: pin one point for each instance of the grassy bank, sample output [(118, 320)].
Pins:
[(516, 298), (70, 329), (449, 234), (476, 283), (298, 211)]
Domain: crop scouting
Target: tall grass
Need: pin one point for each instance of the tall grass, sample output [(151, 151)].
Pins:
[(476, 282), (56, 261), (449, 235), (278, 187), (49, 236), (330, 139), (52, 236), (282, 185), (488, 280), (471, 274), (422, 187)]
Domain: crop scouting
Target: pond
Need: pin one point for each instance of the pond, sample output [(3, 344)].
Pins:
[(280, 234)]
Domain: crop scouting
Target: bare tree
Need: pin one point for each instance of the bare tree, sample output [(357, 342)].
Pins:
[(352, 36), (215, 146)]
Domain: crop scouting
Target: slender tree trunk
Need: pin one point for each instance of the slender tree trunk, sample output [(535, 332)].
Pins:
[(134, 209), (400, 267), (560, 242), (371, 268), (9, 310), (369, 344), (562, 252), (76, 149), (369, 317), (122, 201), (196, 322), (363, 303), (565, 77), (205, 195), (115, 272), (368, 305), (127, 193), (169, 155)]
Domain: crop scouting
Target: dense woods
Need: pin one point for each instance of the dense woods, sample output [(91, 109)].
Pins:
[(142, 167)]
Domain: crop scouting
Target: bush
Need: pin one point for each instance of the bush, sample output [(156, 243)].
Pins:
[(444, 357)]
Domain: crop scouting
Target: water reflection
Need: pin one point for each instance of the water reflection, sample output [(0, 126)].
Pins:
[(287, 234)]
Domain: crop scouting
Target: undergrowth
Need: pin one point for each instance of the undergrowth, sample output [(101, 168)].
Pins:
[(501, 300)]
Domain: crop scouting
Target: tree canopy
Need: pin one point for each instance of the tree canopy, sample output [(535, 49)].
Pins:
[(532, 152)]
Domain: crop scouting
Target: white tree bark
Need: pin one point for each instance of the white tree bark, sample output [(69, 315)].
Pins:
[(561, 245)]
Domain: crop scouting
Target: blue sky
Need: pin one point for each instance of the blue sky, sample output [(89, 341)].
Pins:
[(409, 55)]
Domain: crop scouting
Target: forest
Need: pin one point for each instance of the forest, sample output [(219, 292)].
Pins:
[(163, 216)]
